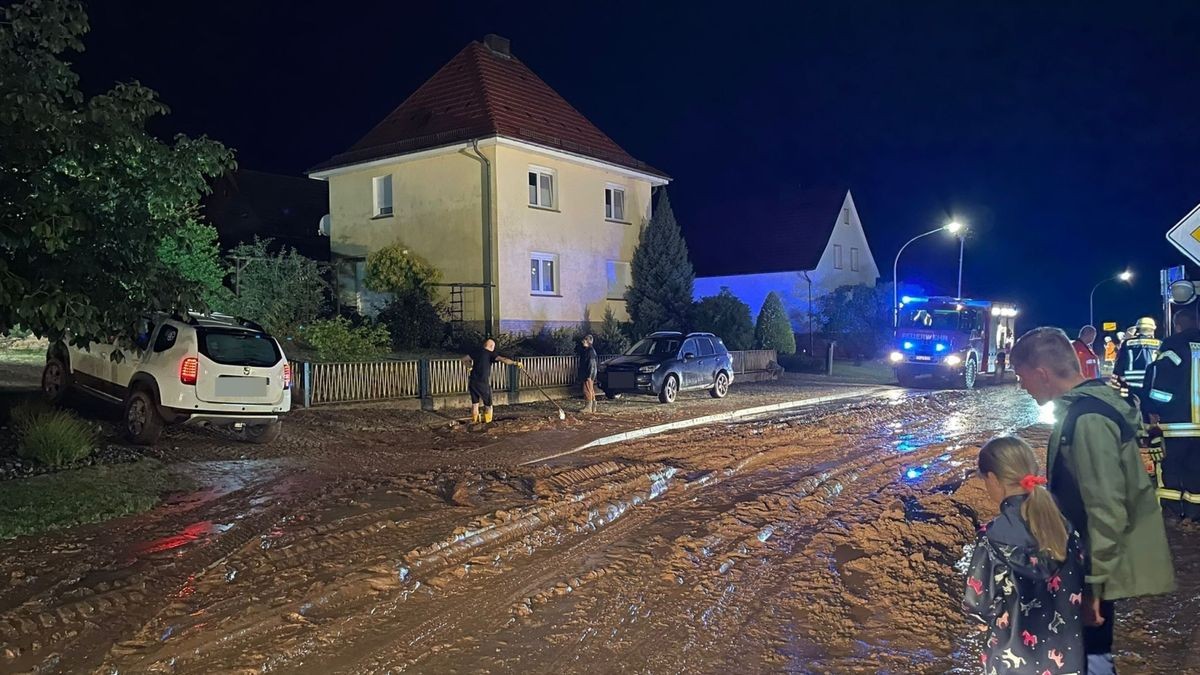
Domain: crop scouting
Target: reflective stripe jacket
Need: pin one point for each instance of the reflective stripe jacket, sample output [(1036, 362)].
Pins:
[(1169, 389), (1133, 358)]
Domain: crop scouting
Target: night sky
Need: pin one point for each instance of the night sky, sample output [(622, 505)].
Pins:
[(1066, 136)]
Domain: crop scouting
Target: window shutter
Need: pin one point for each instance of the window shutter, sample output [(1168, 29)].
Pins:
[(619, 204)]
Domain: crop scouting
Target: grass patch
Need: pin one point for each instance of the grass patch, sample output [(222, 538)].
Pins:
[(79, 496), (24, 357), (869, 372)]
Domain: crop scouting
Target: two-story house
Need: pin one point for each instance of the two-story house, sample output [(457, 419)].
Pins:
[(529, 211), (802, 245)]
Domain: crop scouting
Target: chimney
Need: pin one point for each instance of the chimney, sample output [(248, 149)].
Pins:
[(498, 45)]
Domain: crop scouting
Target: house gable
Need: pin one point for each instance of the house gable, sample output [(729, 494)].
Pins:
[(846, 258)]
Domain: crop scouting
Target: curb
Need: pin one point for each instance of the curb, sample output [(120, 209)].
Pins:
[(709, 419)]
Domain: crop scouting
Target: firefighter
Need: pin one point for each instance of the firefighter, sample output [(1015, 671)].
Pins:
[(1172, 401), (1110, 354), (1138, 352), (1089, 365)]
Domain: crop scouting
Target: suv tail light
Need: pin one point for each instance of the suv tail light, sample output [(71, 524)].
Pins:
[(287, 376), (189, 368)]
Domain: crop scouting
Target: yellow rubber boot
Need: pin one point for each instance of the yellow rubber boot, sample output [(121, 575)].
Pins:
[(487, 416), (475, 417)]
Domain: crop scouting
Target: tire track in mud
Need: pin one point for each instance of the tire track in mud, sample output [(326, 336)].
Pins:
[(694, 531)]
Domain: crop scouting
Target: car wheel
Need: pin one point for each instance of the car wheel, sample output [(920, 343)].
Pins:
[(143, 424), (56, 381), (969, 374), (720, 387), (263, 433), (612, 397), (670, 390)]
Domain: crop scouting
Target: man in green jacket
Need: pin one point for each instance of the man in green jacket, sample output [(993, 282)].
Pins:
[(1096, 474)]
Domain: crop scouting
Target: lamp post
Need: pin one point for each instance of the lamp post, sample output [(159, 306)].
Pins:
[(1123, 276), (953, 227)]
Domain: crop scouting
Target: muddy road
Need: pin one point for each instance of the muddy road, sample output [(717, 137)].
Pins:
[(823, 540)]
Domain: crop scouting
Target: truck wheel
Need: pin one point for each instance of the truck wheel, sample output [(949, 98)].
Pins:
[(670, 390), (143, 424), (263, 433), (969, 374), (1001, 366), (720, 387), (56, 380)]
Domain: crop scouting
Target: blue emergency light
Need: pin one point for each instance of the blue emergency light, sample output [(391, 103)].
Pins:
[(908, 344)]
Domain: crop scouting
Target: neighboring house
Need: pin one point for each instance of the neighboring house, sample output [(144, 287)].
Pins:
[(246, 204), (809, 241), (529, 211)]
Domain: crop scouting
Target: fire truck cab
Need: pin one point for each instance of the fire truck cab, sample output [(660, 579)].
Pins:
[(952, 339)]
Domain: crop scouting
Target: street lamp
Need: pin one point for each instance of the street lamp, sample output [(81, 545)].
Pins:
[(953, 227), (1125, 276)]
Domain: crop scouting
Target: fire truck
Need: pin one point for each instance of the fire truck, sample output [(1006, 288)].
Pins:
[(952, 340)]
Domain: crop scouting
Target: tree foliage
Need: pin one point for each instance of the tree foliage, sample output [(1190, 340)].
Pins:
[(725, 316), (87, 196), (337, 339), (773, 330), (393, 269), (660, 297), (282, 290), (859, 317), (196, 254), (611, 339)]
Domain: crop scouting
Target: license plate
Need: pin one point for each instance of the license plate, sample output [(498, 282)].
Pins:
[(242, 386), (923, 358), (621, 380)]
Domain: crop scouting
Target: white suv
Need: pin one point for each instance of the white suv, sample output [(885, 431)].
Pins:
[(200, 369)]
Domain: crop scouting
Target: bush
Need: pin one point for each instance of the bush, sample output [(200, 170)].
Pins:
[(339, 340), (555, 341), (468, 340), (774, 330), (859, 317), (612, 338), (725, 316), (802, 363), (282, 291), (414, 321), (52, 437), (394, 269)]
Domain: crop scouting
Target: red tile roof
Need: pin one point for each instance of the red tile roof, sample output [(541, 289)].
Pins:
[(482, 93)]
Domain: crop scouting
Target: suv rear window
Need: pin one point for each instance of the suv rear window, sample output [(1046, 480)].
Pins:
[(719, 345), (706, 346), (237, 347)]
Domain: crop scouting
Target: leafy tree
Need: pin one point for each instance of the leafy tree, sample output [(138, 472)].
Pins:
[(282, 291), (859, 317), (727, 317), (393, 269), (414, 321), (660, 297), (611, 339), (196, 254), (773, 329), (88, 197)]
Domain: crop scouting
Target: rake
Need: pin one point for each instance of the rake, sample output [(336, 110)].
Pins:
[(561, 415)]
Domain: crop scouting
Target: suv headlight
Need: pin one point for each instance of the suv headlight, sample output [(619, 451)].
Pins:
[(647, 369), (953, 360), (896, 357)]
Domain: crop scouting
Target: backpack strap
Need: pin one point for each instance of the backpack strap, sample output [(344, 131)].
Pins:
[(1090, 405)]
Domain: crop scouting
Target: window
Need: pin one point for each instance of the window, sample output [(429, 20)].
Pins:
[(167, 334), (837, 256), (619, 279), (706, 346), (845, 216), (853, 259), (382, 195), (690, 347), (614, 203), (541, 187), (543, 268)]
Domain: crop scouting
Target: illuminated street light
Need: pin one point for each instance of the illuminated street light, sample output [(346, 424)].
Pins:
[(953, 227), (1125, 276)]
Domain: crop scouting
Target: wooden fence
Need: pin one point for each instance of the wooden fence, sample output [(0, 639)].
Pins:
[(319, 383)]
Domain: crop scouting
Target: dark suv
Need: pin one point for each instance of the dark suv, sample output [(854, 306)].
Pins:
[(667, 363)]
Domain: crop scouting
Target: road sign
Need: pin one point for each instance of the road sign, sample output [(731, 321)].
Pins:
[(1185, 236), (1110, 326)]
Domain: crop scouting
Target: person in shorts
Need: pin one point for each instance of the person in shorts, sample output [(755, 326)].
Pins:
[(479, 382)]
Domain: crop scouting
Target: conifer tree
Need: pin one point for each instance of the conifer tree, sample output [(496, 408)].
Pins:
[(660, 297)]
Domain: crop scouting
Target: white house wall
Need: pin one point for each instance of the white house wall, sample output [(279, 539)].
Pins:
[(849, 236)]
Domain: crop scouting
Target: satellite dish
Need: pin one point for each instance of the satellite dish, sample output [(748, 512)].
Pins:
[(323, 226), (1183, 292)]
